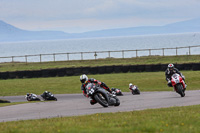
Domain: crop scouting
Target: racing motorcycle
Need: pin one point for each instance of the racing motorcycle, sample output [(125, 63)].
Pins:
[(135, 90), (178, 84), (103, 97), (32, 97), (48, 96), (117, 92)]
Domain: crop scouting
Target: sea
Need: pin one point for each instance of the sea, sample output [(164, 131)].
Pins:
[(98, 48)]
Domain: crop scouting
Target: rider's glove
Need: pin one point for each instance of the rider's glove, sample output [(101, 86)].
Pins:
[(183, 77), (169, 82)]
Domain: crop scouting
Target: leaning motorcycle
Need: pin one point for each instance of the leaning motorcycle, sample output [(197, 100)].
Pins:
[(135, 90), (33, 97), (117, 92), (100, 95), (178, 84), (48, 96)]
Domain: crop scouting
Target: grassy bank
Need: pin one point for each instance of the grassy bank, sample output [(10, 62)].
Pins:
[(100, 62), (146, 81), (165, 120)]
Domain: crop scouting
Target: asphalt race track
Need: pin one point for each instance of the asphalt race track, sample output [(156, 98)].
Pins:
[(77, 104)]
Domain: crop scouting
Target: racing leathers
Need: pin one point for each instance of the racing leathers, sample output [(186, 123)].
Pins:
[(92, 80), (169, 73)]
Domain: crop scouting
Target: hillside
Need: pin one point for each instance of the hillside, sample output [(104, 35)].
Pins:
[(11, 33)]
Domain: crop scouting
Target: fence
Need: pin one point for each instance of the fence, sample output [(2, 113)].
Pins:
[(189, 50)]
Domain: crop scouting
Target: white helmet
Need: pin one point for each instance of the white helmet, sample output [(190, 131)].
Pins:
[(171, 67), (83, 78), (130, 85)]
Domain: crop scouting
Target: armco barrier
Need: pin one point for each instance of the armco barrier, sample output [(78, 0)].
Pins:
[(95, 70)]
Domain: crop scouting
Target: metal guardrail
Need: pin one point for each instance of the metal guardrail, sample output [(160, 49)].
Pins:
[(94, 55)]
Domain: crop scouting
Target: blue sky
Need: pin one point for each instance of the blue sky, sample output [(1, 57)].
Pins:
[(86, 15)]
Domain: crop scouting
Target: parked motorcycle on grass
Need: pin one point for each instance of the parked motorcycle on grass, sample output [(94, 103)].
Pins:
[(48, 96), (100, 95), (117, 92), (31, 97), (178, 84)]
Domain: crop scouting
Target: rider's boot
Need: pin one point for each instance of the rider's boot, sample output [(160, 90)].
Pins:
[(92, 102)]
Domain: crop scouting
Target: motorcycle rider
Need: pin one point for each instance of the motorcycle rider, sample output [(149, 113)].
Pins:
[(31, 95), (46, 94), (84, 80), (170, 71), (131, 86)]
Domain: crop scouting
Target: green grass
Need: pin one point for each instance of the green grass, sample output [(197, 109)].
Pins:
[(100, 62), (146, 81), (164, 120)]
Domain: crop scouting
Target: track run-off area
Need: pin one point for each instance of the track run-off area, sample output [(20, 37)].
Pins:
[(77, 104)]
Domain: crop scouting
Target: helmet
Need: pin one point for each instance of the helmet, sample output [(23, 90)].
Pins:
[(27, 94), (130, 85), (83, 78), (171, 67)]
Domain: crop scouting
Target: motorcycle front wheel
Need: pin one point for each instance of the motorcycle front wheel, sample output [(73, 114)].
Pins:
[(179, 88), (101, 99)]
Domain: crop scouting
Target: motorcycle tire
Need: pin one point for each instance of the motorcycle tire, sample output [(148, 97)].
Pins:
[(179, 88), (101, 99), (117, 102), (138, 91)]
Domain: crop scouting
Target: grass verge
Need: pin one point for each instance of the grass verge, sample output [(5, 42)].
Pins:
[(164, 120), (146, 81), (100, 62)]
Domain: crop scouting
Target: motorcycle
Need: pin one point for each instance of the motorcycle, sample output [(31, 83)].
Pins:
[(178, 84), (48, 96), (135, 90), (100, 95), (32, 97), (117, 92)]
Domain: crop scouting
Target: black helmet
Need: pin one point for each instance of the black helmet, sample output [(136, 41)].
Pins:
[(171, 67)]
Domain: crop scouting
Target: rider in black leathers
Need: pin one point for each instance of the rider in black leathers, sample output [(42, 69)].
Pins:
[(170, 71), (84, 80)]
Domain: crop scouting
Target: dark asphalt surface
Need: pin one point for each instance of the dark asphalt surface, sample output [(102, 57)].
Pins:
[(77, 104)]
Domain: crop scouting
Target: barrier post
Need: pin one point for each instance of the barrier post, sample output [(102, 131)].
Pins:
[(67, 56), (40, 58), (54, 57), (163, 51), (122, 53), (136, 53), (26, 59), (12, 58), (189, 50), (95, 55), (149, 52), (81, 55)]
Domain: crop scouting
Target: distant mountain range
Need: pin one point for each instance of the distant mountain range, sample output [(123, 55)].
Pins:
[(9, 33)]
